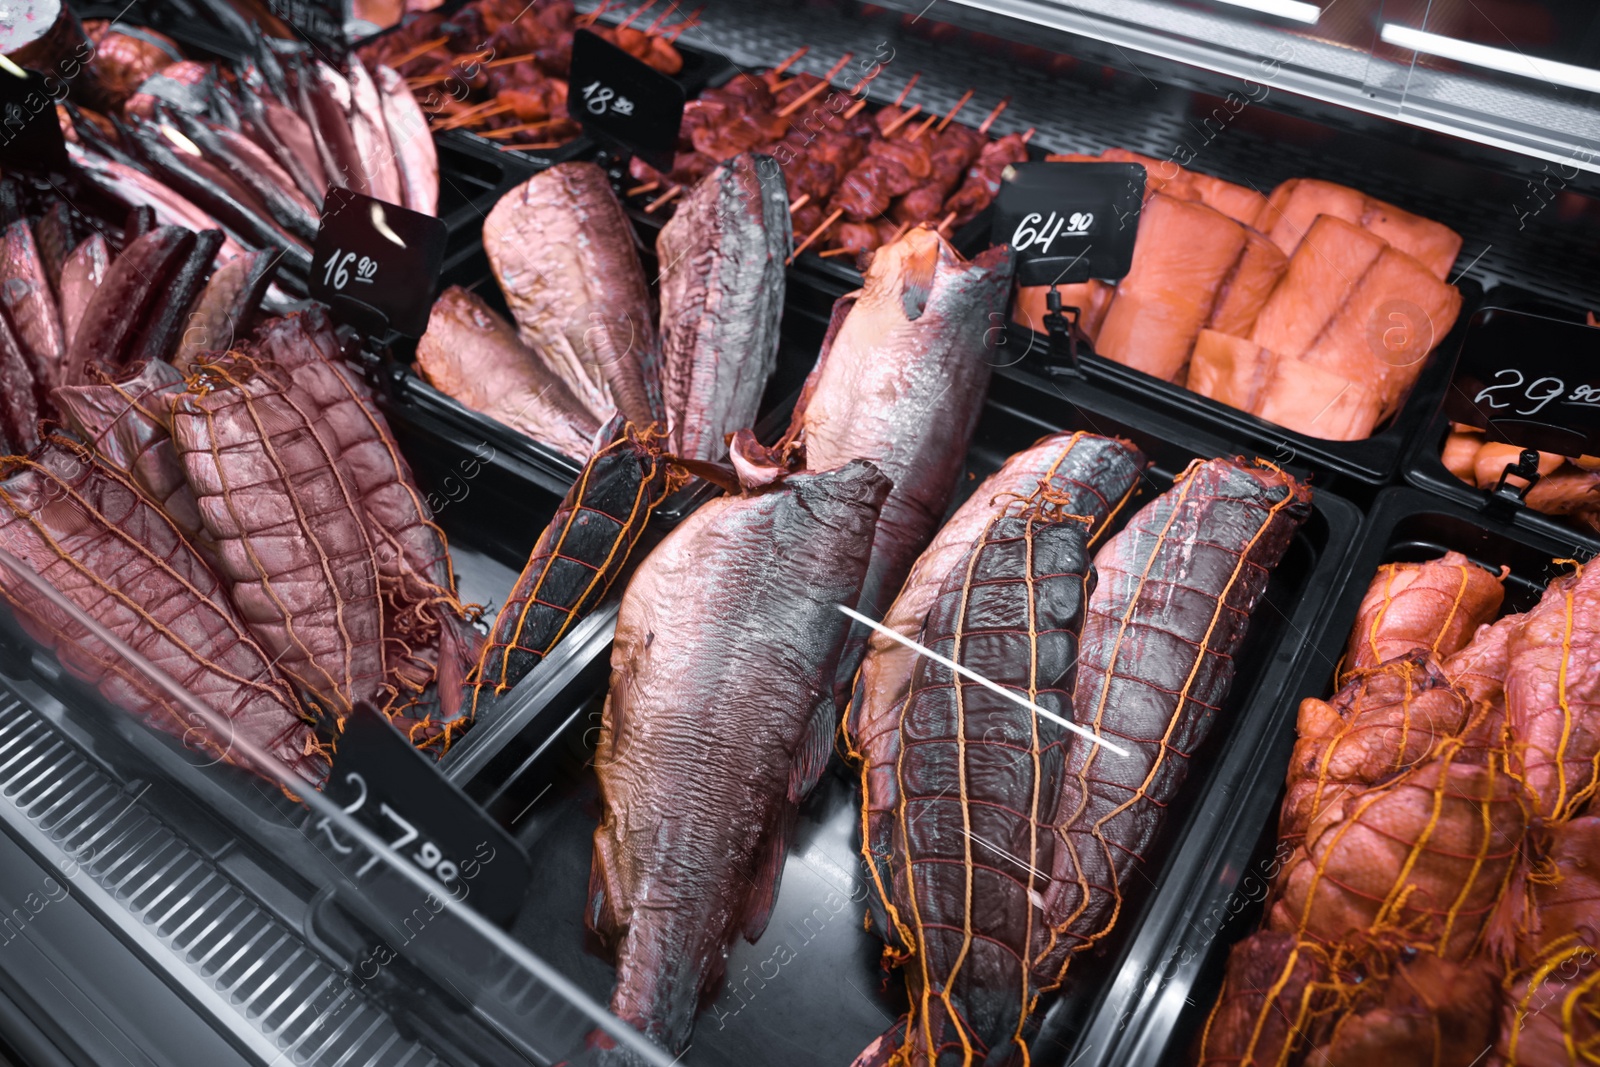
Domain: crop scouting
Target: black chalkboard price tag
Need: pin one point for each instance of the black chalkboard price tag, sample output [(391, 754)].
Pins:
[(30, 134), (1069, 222), (392, 789), (1529, 380), (376, 264), (624, 99)]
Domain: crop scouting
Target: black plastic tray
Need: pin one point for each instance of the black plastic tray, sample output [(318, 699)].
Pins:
[(1150, 1015), (1425, 465), (1372, 462), (830, 1001)]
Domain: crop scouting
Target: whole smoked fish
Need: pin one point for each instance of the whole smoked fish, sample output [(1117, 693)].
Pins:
[(1176, 591), (470, 353), (960, 806), (719, 721), (900, 382), (722, 261), (576, 559), (89, 532), (562, 248), (1086, 474)]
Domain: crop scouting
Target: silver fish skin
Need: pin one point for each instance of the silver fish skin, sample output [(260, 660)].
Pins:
[(901, 382), (81, 275), (26, 295), (414, 151), (722, 259), (563, 251), (473, 355), (719, 722), (371, 135)]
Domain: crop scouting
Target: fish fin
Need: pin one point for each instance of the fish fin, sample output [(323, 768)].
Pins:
[(765, 878), (811, 757), (882, 1051), (599, 913)]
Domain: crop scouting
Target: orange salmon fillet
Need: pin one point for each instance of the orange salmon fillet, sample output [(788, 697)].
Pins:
[(1245, 292), (1232, 370), (1319, 402), (1321, 274), (1184, 254), (1379, 337), (1295, 204)]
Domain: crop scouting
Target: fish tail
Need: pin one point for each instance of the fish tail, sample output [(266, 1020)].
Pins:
[(938, 1042)]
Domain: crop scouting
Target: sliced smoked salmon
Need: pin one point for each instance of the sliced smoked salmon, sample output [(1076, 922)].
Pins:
[(1184, 254), (1295, 205), (1261, 265), (1231, 370), (1318, 402), (1321, 274), (1382, 335)]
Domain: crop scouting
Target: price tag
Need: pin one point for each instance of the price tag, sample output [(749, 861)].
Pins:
[(624, 99), (30, 134), (1529, 380), (398, 794), (1069, 222), (376, 264)]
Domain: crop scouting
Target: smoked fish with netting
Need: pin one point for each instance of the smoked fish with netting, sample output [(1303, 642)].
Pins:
[(1173, 602), (291, 540), (91, 533), (576, 559), (958, 817)]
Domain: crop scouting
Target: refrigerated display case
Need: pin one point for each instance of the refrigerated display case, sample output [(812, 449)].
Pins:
[(163, 905)]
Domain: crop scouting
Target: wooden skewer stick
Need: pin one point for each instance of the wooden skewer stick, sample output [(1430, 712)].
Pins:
[(833, 252), (923, 127), (1027, 135), (662, 199), (983, 127), (907, 90), (640, 190), (794, 57), (512, 131), (959, 105), (794, 105), (854, 109), (656, 25), (592, 16), (506, 61), (529, 147), (800, 201), (420, 50), (641, 9), (947, 220), (814, 234), (487, 109), (672, 35), (899, 233), (905, 116)]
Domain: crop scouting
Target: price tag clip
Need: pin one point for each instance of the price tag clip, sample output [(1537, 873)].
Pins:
[(1061, 323), (1505, 499)]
